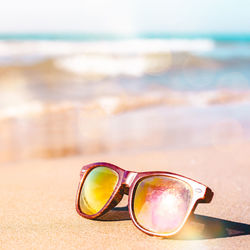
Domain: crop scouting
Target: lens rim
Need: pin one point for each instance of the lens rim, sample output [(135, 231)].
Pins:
[(114, 198), (197, 189)]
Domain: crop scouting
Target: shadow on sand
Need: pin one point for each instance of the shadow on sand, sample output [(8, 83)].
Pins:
[(197, 227)]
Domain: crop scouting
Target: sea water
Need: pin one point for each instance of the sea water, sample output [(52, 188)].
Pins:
[(79, 93)]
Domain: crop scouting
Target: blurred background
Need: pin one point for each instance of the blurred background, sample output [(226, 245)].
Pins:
[(84, 77)]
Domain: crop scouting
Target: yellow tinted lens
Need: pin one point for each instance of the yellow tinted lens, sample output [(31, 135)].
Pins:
[(97, 189), (161, 203)]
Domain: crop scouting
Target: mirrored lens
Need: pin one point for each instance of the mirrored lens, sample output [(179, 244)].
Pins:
[(97, 189), (161, 203)]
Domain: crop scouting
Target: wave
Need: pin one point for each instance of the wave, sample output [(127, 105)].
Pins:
[(116, 104), (100, 60), (30, 51)]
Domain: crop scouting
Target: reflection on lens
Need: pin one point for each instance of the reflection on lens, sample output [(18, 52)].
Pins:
[(97, 189), (161, 203)]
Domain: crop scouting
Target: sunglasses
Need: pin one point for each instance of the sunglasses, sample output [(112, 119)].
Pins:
[(159, 203)]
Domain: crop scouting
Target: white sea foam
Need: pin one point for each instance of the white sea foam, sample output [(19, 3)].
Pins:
[(114, 104), (125, 57), (109, 58), (104, 65), (21, 49)]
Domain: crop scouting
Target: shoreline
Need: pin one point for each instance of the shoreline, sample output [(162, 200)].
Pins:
[(66, 130)]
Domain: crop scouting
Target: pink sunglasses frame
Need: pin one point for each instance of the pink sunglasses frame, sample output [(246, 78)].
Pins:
[(127, 183)]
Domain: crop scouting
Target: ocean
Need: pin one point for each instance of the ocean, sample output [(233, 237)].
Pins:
[(64, 94)]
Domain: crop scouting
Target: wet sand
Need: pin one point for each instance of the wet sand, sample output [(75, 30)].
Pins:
[(58, 130), (37, 202)]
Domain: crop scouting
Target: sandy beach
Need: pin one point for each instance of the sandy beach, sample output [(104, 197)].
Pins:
[(37, 202)]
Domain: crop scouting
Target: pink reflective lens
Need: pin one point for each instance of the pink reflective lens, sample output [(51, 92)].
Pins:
[(161, 203)]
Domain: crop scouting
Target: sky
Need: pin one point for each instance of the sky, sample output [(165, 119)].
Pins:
[(125, 17)]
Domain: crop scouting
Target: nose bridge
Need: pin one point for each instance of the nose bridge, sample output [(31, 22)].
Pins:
[(128, 179)]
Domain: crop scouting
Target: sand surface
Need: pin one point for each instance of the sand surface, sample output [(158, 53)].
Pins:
[(37, 209)]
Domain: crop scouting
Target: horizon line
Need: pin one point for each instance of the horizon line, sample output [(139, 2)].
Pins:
[(87, 36)]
